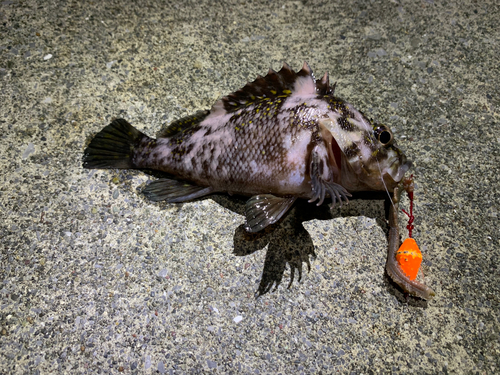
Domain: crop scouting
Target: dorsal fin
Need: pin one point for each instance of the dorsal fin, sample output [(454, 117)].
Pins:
[(323, 85), (182, 124), (284, 83)]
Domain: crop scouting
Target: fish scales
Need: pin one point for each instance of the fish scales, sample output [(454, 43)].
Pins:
[(240, 154)]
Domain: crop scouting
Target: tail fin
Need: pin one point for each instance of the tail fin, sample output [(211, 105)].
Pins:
[(113, 146)]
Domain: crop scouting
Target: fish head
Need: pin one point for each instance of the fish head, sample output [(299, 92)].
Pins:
[(370, 159), (386, 165)]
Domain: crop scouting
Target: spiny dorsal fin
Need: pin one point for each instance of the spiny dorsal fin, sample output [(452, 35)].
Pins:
[(323, 85), (306, 70), (182, 124), (284, 83)]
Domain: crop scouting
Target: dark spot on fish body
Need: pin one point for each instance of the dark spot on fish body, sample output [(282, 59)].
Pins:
[(369, 142), (208, 131), (194, 162), (206, 166), (183, 149), (176, 157), (351, 151), (345, 124), (336, 104), (305, 122), (316, 137)]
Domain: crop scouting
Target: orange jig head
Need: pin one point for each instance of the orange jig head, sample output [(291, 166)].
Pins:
[(409, 258)]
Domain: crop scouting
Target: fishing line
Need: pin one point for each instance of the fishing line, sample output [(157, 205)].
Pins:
[(385, 186)]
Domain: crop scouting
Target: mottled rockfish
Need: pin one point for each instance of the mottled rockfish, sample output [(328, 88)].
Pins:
[(281, 137)]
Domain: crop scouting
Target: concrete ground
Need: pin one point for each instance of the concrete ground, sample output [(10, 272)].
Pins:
[(97, 279)]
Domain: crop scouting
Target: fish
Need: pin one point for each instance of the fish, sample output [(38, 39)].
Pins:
[(285, 136)]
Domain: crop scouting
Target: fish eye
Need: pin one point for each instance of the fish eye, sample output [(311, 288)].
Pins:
[(384, 135)]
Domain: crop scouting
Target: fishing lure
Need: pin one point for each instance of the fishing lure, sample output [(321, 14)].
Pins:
[(403, 263), (409, 256)]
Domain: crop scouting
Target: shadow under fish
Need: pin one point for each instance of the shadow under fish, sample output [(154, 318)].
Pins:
[(288, 242)]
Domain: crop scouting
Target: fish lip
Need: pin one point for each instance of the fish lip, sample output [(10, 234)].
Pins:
[(397, 174), (403, 168)]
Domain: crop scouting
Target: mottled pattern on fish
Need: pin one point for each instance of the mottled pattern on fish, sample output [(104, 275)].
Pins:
[(259, 139), (280, 137)]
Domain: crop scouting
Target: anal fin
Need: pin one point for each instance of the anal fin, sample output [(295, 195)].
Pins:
[(265, 209), (174, 191)]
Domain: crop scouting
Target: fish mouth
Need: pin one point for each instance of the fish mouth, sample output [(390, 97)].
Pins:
[(398, 170)]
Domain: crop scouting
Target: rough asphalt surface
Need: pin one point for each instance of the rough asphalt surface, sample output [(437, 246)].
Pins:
[(96, 279)]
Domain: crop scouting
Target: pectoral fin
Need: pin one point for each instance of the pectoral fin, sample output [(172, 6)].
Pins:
[(173, 191), (265, 209), (322, 180)]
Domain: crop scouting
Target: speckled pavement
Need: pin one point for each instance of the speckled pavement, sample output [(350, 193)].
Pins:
[(96, 279)]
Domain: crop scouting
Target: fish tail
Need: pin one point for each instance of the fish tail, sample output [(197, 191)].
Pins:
[(113, 147)]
